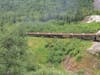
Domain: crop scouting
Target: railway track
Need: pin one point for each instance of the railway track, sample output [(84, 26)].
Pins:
[(85, 36)]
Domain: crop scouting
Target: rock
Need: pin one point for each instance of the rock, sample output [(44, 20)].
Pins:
[(98, 36), (95, 49), (92, 18), (98, 32)]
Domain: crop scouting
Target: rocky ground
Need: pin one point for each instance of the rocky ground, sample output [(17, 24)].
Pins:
[(95, 49), (87, 65)]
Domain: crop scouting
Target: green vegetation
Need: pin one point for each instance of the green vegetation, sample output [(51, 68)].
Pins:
[(17, 11), (12, 51), (51, 52), (23, 55), (67, 28), (55, 50)]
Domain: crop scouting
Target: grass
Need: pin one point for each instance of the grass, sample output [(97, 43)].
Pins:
[(50, 52), (38, 49), (67, 28), (42, 53), (50, 71)]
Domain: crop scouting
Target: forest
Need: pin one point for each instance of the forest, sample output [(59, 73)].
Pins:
[(24, 55)]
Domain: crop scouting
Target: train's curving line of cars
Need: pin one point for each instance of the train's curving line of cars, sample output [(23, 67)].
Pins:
[(85, 36)]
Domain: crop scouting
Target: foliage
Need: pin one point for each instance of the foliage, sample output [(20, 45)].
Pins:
[(59, 49), (17, 16), (15, 11), (54, 26), (49, 71), (12, 51), (55, 50)]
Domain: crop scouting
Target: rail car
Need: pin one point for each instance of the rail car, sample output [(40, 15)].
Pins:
[(85, 36)]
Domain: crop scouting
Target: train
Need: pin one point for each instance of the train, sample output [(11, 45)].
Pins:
[(85, 36)]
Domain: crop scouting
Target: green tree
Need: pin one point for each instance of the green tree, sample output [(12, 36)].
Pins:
[(12, 51)]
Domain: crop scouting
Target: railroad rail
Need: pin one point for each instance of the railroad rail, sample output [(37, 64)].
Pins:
[(85, 36)]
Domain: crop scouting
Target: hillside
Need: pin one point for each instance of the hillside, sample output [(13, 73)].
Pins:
[(21, 54), (13, 11)]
